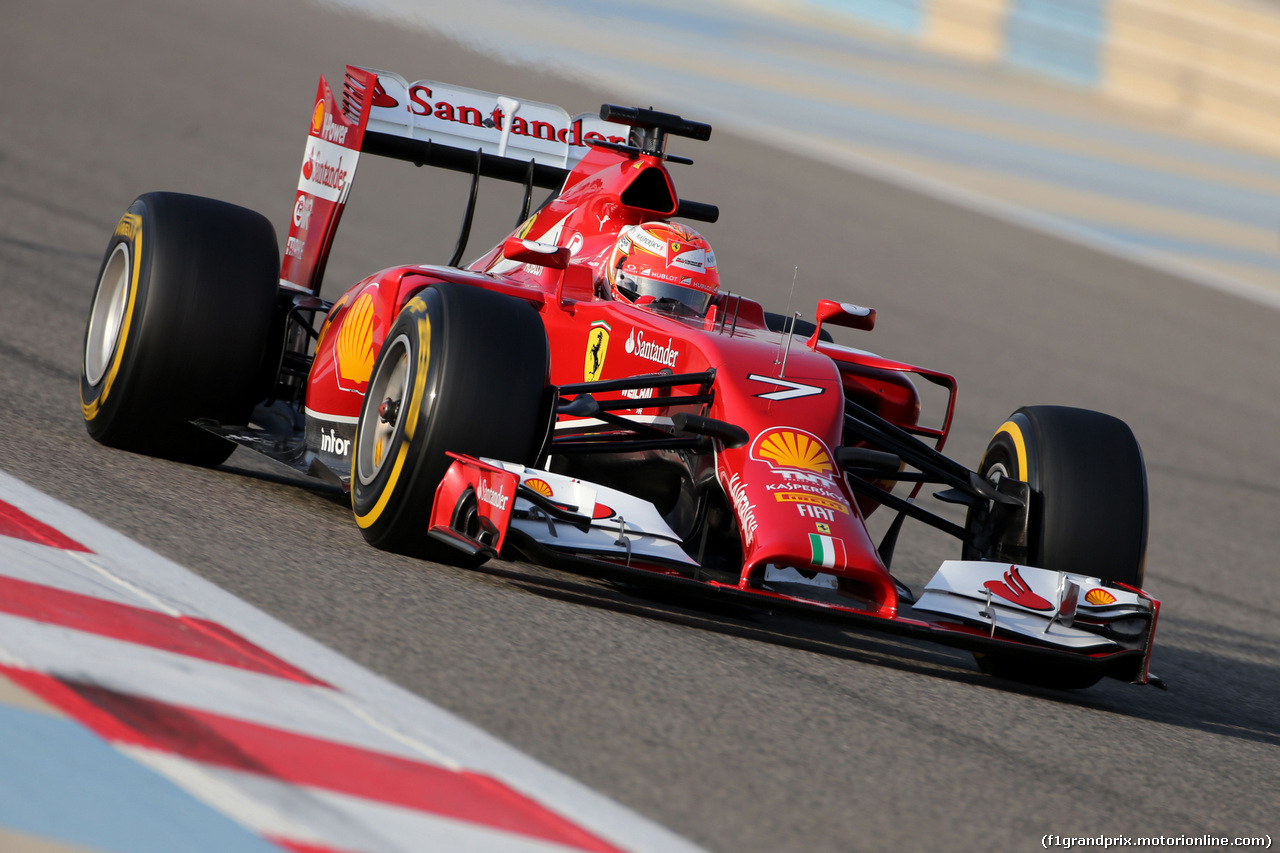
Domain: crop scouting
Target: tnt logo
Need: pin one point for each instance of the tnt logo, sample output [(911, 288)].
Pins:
[(803, 477)]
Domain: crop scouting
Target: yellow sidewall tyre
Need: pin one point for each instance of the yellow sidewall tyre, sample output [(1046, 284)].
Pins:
[(462, 369), (178, 326), (1088, 512)]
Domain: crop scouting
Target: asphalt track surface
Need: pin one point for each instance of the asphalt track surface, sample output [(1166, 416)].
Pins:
[(741, 734)]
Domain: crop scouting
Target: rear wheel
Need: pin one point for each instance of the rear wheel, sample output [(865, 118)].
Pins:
[(462, 369), (1088, 510), (178, 326)]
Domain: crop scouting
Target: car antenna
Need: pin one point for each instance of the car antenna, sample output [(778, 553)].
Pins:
[(791, 325)]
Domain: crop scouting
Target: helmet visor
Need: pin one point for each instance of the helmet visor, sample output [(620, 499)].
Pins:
[(689, 299)]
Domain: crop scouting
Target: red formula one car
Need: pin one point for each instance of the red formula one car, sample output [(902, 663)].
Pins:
[(584, 396)]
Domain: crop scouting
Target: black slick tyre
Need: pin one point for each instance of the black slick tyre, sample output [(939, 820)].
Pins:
[(1088, 512), (178, 326), (462, 369)]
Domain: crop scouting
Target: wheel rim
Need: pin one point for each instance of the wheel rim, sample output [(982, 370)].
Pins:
[(996, 472), (107, 317), (380, 423)]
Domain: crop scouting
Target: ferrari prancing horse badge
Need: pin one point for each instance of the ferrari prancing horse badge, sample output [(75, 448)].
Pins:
[(597, 348)]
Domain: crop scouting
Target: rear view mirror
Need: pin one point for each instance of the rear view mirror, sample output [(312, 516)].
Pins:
[(842, 314), (532, 252)]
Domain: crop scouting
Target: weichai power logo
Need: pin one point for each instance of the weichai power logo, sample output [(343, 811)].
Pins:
[(792, 449)]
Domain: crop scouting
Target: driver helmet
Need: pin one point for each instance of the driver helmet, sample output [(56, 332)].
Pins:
[(656, 261)]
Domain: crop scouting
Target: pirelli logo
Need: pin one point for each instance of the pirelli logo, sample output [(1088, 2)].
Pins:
[(816, 500), (128, 226)]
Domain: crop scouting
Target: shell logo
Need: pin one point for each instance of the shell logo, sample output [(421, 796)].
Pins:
[(786, 448), (354, 347), (317, 118), (539, 486), (1099, 596)]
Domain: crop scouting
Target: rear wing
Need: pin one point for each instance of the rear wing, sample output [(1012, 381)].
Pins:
[(428, 124), (468, 120)]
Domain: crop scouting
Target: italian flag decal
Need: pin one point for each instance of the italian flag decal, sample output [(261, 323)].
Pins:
[(827, 551)]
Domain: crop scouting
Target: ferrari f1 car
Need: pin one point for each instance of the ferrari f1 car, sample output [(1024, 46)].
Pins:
[(512, 406)]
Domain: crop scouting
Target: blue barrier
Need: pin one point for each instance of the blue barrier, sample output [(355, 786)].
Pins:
[(1213, 63), (1060, 38), (1063, 39), (901, 16)]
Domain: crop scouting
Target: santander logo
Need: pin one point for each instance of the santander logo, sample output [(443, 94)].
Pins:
[(324, 174), (495, 498), (650, 350), (473, 108), (381, 98)]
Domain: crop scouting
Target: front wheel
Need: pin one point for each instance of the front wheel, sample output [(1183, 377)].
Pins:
[(178, 326), (1088, 505), (462, 369)]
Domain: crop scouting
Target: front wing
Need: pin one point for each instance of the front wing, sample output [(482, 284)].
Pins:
[(981, 606)]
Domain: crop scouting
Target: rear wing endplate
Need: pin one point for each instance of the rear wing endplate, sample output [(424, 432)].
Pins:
[(428, 124)]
